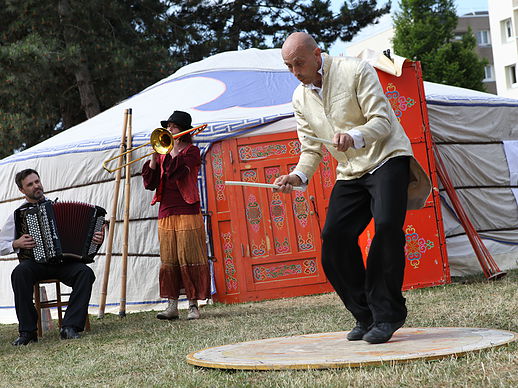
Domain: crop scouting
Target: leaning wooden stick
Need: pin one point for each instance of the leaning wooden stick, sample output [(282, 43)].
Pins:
[(111, 229), (127, 194), (318, 139), (254, 184)]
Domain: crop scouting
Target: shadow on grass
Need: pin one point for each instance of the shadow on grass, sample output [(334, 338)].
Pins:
[(480, 278)]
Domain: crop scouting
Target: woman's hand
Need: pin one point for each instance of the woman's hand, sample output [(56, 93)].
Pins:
[(153, 162)]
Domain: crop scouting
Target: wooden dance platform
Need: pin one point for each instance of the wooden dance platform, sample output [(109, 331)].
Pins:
[(333, 350)]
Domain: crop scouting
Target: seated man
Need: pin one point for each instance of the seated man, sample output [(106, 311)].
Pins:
[(74, 274)]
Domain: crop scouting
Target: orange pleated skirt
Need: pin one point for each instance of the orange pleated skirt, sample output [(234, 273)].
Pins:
[(183, 253)]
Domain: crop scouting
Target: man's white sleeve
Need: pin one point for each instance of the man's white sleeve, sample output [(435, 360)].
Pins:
[(7, 236), (303, 178), (357, 138)]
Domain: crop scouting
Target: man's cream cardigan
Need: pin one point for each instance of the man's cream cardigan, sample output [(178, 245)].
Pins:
[(352, 98)]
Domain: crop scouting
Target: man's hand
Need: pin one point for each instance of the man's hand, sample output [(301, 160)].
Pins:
[(286, 183), (98, 237), (24, 242), (342, 141)]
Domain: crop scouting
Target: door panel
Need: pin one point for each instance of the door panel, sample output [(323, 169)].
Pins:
[(281, 232)]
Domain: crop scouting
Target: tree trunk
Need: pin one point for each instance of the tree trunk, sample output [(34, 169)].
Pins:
[(235, 29), (89, 101), (67, 119)]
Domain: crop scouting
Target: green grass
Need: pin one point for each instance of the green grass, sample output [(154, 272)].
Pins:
[(141, 351)]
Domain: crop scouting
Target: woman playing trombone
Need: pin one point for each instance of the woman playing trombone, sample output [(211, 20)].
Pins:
[(181, 231)]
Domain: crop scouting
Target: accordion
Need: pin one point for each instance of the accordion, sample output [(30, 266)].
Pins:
[(61, 230)]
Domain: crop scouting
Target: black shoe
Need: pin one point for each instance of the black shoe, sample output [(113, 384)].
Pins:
[(358, 331), (25, 338), (382, 331), (68, 333)]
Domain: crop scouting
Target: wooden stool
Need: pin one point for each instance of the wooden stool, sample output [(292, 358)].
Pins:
[(58, 302)]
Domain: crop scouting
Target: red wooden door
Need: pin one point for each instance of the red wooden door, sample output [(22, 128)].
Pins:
[(273, 238), (425, 249)]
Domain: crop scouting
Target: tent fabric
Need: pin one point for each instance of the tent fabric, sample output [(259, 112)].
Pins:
[(511, 153), (248, 93), (475, 133)]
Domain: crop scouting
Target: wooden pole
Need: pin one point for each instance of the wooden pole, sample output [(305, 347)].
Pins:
[(127, 197), (113, 217)]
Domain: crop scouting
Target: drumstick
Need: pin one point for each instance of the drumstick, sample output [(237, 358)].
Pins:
[(318, 139), (254, 184)]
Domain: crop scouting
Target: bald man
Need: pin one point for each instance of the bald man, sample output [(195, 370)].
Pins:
[(340, 99)]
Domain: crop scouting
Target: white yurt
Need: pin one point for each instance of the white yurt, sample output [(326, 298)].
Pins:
[(247, 93)]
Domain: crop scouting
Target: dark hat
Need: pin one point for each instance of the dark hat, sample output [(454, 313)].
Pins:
[(182, 119)]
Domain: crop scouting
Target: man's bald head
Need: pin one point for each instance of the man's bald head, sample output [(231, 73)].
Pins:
[(301, 54), (300, 41)]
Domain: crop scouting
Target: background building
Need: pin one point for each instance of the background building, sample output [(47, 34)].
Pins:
[(503, 18), (479, 24), (379, 37)]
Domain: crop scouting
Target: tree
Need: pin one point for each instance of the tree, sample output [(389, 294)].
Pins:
[(424, 30), (209, 27), (65, 61)]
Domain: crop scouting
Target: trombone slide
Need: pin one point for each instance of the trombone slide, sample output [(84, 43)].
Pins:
[(164, 148)]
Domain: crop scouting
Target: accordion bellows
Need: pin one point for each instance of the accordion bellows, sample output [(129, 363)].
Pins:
[(60, 230)]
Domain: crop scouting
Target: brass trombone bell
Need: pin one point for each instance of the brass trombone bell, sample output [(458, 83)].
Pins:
[(162, 142)]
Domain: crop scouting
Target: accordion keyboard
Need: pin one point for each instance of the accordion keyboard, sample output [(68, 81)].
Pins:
[(34, 230), (99, 222)]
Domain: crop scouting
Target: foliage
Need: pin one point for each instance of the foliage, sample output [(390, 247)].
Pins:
[(52, 51), (424, 30), (222, 25), (64, 61)]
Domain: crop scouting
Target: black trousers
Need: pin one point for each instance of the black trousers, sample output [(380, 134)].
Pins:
[(371, 292), (74, 274)]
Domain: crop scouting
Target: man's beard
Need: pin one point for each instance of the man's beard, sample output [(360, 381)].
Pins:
[(37, 196)]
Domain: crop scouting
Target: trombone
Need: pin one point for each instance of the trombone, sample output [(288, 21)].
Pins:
[(162, 142)]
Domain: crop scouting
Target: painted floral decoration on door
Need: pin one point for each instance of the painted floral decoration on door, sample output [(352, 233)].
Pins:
[(247, 153), (305, 244), (277, 210), (253, 212), (415, 246), (301, 208), (399, 103), (275, 271), (217, 167), (230, 269), (282, 247)]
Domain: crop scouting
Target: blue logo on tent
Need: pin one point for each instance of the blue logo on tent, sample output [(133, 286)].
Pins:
[(249, 89)]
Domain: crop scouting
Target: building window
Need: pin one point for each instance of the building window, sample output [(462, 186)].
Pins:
[(507, 30), (488, 72), (511, 76), (483, 38)]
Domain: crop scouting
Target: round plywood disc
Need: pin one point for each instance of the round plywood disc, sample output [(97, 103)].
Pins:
[(333, 350)]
